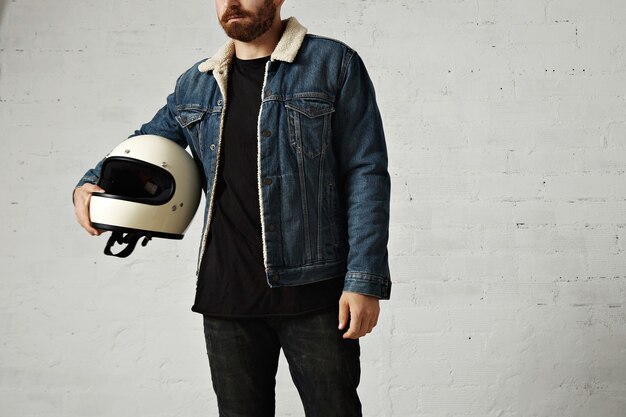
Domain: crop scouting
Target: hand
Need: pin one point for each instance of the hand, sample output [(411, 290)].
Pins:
[(82, 196), (363, 311)]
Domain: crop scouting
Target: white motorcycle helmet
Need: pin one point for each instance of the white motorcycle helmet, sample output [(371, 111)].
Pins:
[(152, 189)]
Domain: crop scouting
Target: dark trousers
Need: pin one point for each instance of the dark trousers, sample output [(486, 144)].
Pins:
[(243, 357)]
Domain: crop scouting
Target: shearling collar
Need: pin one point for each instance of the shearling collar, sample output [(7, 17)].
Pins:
[(286, 49)]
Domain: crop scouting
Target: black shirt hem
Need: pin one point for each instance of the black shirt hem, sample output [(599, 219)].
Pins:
[(260, 315)]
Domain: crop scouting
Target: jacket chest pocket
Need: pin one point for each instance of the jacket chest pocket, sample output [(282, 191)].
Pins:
[(194, 119), (309, 125)]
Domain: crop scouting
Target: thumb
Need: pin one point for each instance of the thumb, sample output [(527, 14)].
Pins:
[(97, 189), (344, 311)]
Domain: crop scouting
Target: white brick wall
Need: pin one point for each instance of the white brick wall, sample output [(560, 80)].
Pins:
[(506, 127)]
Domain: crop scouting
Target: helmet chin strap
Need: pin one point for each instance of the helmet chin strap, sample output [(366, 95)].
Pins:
[(130, 240)]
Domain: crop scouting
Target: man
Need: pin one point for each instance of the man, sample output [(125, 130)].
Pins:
[(294, 248)]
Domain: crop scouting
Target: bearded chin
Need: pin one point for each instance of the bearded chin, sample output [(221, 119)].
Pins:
[(248, 31)]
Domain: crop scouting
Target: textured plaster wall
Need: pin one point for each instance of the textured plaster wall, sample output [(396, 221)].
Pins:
[(506, 129)]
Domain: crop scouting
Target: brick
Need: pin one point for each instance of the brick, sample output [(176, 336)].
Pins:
[(475, 214), (482, 266), (605, 265), (474, 160), (420, 320), (511, 12), (602, 111), (448, 293), (540, 267), (563, 9), (507, 187), (579, 187), (601, 292), (445, 240), (417, 267), (453, 187), (553, 138), (527, 213)]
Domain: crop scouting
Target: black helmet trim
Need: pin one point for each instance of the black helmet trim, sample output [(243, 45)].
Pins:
[(134, 180), (148, 233)]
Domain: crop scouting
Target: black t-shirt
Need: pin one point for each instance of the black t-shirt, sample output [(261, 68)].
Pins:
[(231, 280)]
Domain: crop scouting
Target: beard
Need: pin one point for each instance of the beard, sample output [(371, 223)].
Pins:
[(252, 25)]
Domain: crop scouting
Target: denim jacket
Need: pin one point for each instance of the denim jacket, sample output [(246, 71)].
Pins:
[(323, 184)]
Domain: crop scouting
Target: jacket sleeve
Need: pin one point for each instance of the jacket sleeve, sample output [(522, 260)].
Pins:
[(361, 151), (162, 124)]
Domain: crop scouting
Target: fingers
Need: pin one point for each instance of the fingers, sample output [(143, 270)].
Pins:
[(92, 188), (354, 332), (364, 311), (344, 312), (82, 197), (360, 325)]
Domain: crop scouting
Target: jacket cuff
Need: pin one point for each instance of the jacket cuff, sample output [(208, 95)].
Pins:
[(87, 178), (368, 284)]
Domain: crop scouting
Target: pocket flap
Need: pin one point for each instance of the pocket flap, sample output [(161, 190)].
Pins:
[(189, 116), (310, 107)]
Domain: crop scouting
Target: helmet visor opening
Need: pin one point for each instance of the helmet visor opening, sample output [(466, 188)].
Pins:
[(134, 180)]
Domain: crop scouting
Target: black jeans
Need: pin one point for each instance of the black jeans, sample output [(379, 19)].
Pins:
[(243, 357)]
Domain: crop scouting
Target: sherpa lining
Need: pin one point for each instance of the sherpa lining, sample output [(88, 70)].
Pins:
[(286, 49)]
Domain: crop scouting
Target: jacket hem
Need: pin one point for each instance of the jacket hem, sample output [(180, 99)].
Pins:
[(305, 274)]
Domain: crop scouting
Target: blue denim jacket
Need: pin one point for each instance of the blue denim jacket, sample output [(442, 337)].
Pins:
[(324, 188)]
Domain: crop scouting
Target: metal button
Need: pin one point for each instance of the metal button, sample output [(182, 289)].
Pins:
[(271, 227), (275, 278), (266, 133), (267, 181), (219, 102), (212, 147), (268, 93)]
